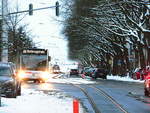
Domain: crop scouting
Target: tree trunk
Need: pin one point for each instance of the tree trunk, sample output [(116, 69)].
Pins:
[(141, 54)]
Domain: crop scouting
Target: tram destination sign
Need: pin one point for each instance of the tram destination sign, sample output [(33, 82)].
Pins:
[(35, 51)]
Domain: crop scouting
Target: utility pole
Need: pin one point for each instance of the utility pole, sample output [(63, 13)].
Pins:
[(4, 52)]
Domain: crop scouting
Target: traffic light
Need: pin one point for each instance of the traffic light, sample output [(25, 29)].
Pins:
[(57, 8), (30, 9)]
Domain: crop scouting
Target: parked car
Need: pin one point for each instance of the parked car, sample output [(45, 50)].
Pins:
[(145, 73), (74, 72), (87, 71), (141, 73), (9, 83), (99, 73), (84, 69), (147, 85), (137, 73), (56, 69)]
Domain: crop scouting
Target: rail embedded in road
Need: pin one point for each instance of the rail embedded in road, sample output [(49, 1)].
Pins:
[(103, 96)]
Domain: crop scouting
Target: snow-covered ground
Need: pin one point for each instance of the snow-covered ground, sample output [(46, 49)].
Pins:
[(87, 80), (33, 101), (126, 78)]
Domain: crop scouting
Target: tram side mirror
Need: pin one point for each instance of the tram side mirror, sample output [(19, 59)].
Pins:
[(14, 75), (49, 58)]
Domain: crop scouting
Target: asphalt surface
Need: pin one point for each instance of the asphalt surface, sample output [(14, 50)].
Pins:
[(129, 95)]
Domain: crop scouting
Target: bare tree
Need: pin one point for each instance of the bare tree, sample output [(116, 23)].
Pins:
[(19, 36)]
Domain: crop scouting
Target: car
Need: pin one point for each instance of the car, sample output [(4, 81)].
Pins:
[(99, 73), (147, 85), (56, 69), (136, 73), (74, 72), (87, 71), (9, 83)]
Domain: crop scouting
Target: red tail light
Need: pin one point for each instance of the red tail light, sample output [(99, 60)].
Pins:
[(28, 72)]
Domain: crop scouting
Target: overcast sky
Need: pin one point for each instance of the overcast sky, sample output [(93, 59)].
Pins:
[(45, 29)]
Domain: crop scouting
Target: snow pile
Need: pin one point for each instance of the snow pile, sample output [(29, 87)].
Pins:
[(33, 101), (126, 78)]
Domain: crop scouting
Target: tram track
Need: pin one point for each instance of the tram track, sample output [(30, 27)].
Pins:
[(89, 98), (100, 92), (110, 98)]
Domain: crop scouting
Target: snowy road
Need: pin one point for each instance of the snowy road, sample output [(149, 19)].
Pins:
[(129, 95), (118, 97), (56, 96)]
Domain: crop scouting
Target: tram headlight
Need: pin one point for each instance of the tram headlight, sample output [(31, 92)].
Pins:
[(45, 75), (21, 74)]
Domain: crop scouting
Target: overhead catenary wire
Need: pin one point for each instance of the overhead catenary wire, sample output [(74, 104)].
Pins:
[(24, 11)]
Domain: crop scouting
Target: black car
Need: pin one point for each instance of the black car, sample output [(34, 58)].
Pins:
[(74, 72), (10, 86), (56, 69), (99, 73)]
